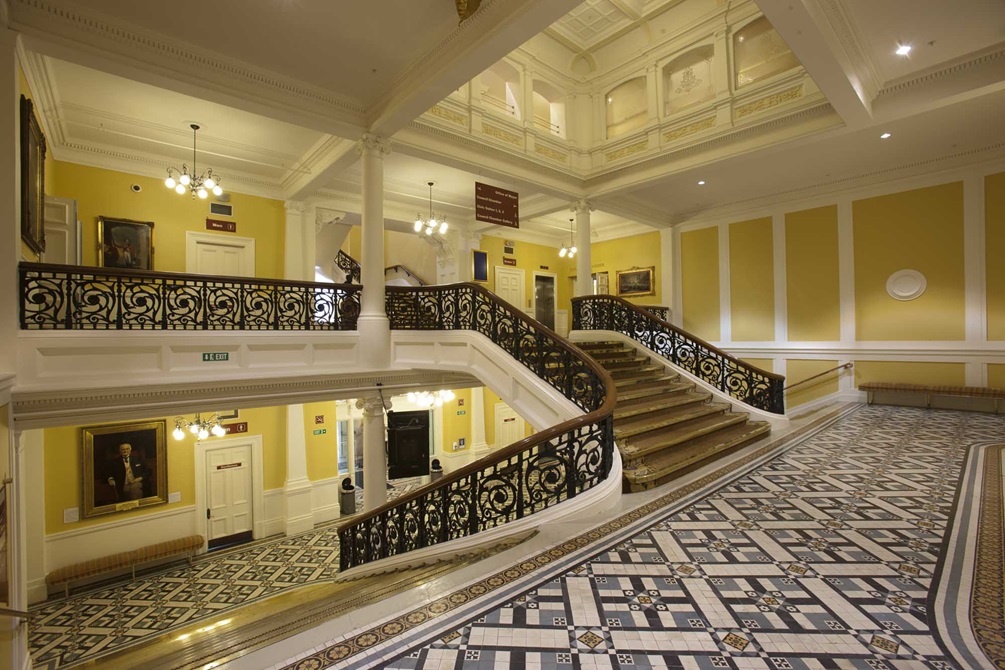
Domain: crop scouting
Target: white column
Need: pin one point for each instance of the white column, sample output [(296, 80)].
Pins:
[(477, 420), (295, 242), (721, 68), (10, 209), (584, 279), (374, 453), (16, 629), (667, 270), (297, 489), (976, 273), (374, 330), (34, 478), (652, 91)]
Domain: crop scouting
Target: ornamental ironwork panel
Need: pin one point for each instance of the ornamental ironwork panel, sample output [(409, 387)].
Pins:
[(740, 380), (522, 479), (350, 266), (60, 297)]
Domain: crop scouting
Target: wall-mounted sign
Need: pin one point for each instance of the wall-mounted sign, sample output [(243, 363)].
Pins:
[(321, 431), (509, 250), (460, 402), (543, 267), (228, 466), (232, 428), (509, 261), (319, 418), (462, 412), (497, 205), (217, 356), (225, 226)]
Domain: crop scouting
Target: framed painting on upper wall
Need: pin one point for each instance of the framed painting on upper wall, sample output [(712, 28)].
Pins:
[(123, 467), (636, 281), (32, 178), (125, 244)]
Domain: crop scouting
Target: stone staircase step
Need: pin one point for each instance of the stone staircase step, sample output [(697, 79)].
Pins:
[(654, 421), (624, 364), (603, 357), (634, 382), (660, 468), (600, 346), (640, 446), (629, 392), (649, 404), (637, 372)]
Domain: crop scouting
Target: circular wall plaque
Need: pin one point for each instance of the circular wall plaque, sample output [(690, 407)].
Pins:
[(906, 284)]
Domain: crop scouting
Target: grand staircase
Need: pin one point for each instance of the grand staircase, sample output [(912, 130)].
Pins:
[(663, 425)]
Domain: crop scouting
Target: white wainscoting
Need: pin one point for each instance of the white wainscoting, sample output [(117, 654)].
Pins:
[(324, 499)]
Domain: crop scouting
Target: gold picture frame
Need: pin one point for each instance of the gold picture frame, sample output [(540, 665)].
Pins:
[(636, 281), (106, 486), (125, 244), (32, 178)]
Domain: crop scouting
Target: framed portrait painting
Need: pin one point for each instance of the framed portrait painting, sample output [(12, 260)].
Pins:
[(636, 281), (125, 244), (32, 178), (479, 265), (124, 467)]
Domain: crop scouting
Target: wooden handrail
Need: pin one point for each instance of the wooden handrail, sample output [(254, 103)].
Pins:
[(399, 266), (15, 614), (825, 372)]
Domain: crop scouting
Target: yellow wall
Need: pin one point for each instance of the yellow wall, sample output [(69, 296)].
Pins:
[(530, 257), (700, 282), (63, 454), (765, 364), (996, 375), (637, 251), (456, 427), (920, 230), (322, 450), (948, 374), (798, 370), (994, 226), (101, 192), (813, 298), (751, 281)]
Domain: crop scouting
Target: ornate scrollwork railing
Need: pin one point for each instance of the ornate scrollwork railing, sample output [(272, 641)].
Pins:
[(659, 311), (70, 297), (727, 373), (350, 266), (516, 481)]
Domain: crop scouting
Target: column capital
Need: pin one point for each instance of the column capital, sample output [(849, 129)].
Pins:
[(326, 217), (580, 206), (373, 144), (372, 405), (295, 206)]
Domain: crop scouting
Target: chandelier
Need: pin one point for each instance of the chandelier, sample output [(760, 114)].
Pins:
[(427, 399), (197, 184), (198, 427), (570, 250), (430, 225)]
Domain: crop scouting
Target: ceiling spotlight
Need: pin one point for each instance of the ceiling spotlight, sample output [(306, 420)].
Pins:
[(903, 49), (885, 136), (701, 182)]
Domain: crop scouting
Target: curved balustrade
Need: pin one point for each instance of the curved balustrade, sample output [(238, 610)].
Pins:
[(350, 266), (740, 380), (70, 297), (516, 481)]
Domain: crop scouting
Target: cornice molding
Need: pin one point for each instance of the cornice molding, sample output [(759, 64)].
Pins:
[(851, 42), (989, 56)]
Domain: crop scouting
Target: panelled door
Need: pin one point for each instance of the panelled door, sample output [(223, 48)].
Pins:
[(62, 234), (228, 495), (219, 254), (509, 426), (509, 286)]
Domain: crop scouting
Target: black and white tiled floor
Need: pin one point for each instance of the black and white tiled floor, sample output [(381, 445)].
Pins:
[(822, 557)]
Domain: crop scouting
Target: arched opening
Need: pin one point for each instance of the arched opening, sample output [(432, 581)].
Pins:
[(549, 108), (760, 52), (687, 79), (500, 89)]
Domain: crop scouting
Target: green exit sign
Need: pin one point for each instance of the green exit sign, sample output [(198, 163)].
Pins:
[(220, 356), (321, 431), (461, 412)]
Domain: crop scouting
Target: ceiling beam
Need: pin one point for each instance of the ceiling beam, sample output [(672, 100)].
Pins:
[(318, 167)]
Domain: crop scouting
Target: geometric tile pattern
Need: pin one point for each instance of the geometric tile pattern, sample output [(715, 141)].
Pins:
[(820, 558)]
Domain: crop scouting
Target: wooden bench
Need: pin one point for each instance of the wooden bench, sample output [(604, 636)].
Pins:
[(126, 559), (928, 391)]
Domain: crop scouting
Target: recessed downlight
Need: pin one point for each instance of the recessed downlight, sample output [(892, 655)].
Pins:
[(885, 136), (903, 49), (701, 182)]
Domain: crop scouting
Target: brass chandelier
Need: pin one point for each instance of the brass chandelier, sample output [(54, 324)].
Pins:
[(197, 184)]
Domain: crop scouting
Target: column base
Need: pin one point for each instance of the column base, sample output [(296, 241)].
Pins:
[(299, 507)]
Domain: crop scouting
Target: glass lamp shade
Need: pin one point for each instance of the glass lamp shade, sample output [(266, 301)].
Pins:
[(178, 433), (184, 180), (170, 182)]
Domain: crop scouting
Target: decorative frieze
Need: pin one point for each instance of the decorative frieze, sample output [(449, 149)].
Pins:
[(448, 115), (627, 151), (504, 135), (770, 101), (690, 129), (548, 152)]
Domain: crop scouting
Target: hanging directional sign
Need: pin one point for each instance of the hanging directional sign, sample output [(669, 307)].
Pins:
[(497, 205)]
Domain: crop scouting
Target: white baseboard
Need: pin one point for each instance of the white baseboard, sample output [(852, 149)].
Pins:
[(850, 395)]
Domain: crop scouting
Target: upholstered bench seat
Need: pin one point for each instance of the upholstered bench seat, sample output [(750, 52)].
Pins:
[(126, 559), (929, 391)]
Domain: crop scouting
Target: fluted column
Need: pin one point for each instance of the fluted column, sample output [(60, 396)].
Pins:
[(373, 327), (374, 452), (584, 278), (477, 412), (297, 488)]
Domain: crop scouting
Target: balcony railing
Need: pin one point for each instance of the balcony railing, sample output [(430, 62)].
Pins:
[(350, 266), (745, 382), (519, 480), (69, 297)]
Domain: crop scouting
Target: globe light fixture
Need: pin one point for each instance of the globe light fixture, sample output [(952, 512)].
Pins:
[(199, 185), (427, 399), (430, 225), (569, 251), (199, 427)]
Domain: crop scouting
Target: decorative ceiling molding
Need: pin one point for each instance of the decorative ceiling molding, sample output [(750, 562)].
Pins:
[(990, 56), (851, 42)]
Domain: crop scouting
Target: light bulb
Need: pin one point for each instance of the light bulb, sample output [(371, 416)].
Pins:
[(217, 190), (203, 433), (179, 189), (219, 431), (194, 429), (184, 179), (411, 396), (209, 183), (562, 252), (573, 250), (450, 395), (178, 433), (430, 230), (202, 193), (443, 228), (572, 254), (439, 402), (418, 225), (170, 182)]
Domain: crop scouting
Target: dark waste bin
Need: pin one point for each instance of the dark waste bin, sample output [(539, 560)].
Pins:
[(347, 498), (435, 470)]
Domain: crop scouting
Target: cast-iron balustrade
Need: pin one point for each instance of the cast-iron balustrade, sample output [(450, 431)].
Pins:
[(350, 266), (745, 382)]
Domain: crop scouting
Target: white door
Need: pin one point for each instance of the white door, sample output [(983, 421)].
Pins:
[(509, 426), (219, 254), (228, 495), (62, 233), (509, 286)]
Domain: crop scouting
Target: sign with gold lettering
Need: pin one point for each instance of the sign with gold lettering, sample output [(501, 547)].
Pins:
[(497, 205)]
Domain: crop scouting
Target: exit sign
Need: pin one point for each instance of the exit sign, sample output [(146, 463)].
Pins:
[(321, 431), (218, 356)]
